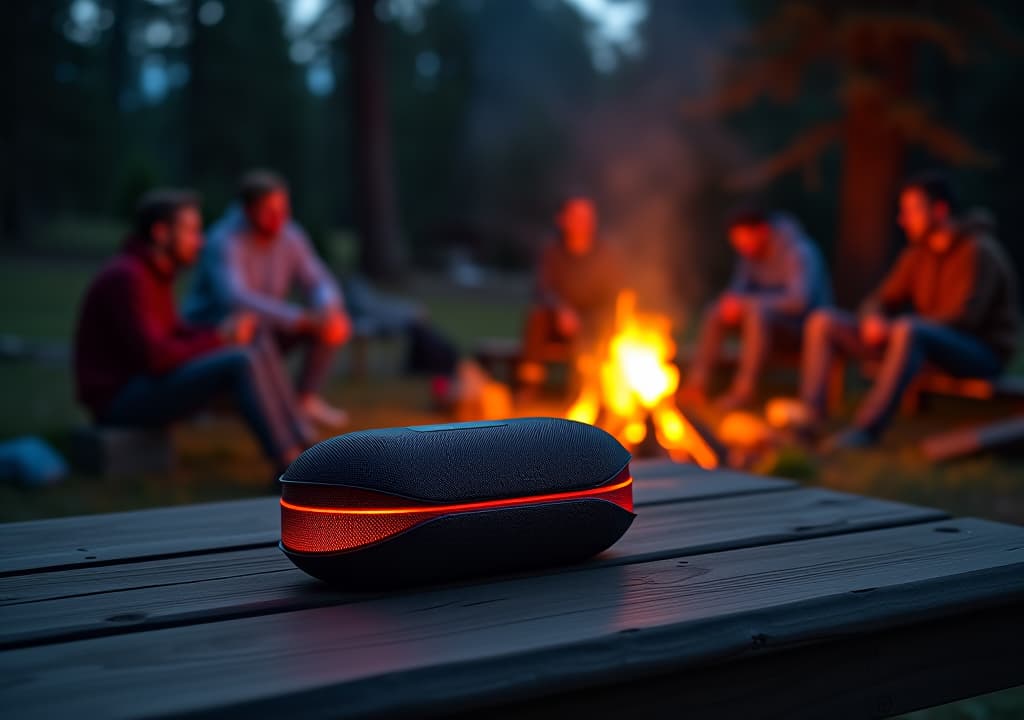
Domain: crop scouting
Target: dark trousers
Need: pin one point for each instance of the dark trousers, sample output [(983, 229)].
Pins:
[(912, 343), (759, 330), (430, 352), (245, 375), (317, 361), (542, 341)]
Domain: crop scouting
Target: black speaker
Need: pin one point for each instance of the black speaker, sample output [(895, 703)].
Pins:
[(411, 505)]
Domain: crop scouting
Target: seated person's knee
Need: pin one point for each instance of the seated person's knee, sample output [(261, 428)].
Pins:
[(903, 331), (820, 323)]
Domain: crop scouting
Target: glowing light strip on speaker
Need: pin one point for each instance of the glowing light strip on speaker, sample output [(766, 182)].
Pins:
[(462, 507)]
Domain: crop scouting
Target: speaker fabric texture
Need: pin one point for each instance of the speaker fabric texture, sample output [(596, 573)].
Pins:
[(431, 503)]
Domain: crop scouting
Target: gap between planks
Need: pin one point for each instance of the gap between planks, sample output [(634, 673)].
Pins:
[(264, 582)]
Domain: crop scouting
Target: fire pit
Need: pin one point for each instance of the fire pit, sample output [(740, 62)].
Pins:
[(629, 383)]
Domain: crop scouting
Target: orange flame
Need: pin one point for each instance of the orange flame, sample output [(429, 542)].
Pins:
[(636, 379)]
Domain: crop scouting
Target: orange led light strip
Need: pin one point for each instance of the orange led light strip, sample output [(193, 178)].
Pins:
[(333, 529), (603, 490)]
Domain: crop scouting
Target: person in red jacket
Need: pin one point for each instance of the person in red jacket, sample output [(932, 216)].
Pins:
[(137, 363)]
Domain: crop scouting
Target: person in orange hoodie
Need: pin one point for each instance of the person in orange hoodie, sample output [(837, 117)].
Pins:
[(949, 301)]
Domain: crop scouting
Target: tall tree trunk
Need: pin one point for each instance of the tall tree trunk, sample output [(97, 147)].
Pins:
[(26, 153), (193, 106), (376, 207), (872, 165)]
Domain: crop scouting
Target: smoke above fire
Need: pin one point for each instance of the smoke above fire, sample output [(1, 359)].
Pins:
[(620, 139)]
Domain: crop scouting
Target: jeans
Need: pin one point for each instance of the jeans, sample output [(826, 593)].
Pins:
[(317, 362), (912, 343), (246, 375), (759, 328)]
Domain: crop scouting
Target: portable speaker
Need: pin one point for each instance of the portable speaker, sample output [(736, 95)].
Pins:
[(397, 506)]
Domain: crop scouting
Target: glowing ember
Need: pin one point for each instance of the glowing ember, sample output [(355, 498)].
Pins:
[(636, 380)]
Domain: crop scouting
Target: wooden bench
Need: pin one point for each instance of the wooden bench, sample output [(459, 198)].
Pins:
[(963, 441), (501, 357), (932, 381), (122, 451), (730, 596), (960, 442)]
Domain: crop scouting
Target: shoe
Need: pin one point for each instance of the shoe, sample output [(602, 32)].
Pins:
[(853, 438), (796, 420), (319, 411)]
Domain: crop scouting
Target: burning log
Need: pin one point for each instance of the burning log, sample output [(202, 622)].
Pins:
[(629, 385)]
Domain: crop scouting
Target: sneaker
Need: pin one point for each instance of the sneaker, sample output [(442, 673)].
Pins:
[(318, 410), (794, 419)]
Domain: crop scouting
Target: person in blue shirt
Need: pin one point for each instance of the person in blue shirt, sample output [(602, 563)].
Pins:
[(255, 257), (779, 279)]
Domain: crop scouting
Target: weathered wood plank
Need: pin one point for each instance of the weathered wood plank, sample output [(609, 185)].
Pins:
[(662, 481), (875, 675), (109, 600), (113, 537), (223, 526), (456, 648)]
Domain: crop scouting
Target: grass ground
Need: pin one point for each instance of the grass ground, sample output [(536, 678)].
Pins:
[(38, 299)]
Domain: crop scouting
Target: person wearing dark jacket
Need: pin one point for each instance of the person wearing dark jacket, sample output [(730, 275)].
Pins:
[(950, 301), (779, 279), (137, 363)]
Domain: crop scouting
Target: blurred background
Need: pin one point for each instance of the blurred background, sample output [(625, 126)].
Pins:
[(429, 143), (466, 121)]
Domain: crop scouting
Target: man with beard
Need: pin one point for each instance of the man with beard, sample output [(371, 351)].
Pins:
[(949, 302), (138, 364)]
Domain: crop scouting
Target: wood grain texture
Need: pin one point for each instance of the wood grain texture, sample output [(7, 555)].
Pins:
[(108, 600), (467, 646), (665, 481), (165, 532), (874, 675), (112, 537)]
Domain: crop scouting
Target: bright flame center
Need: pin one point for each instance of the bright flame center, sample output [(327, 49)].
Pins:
[(636, 379)]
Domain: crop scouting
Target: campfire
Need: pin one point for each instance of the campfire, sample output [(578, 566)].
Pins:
[(629, 386)]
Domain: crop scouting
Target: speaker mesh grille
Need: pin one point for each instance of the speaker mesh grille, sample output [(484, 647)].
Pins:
[(471, 462), (321, 532)]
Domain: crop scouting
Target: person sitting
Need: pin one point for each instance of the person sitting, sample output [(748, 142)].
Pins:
[(779, 279), (948, 302), (577, 279), (255, 256), (138, 364)]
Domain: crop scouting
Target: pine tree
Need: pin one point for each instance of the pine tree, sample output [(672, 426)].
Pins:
[(872, 53)]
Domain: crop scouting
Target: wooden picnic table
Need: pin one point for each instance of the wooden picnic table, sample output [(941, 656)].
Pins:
[(731, 596)]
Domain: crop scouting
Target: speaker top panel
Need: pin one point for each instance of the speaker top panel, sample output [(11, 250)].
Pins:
[(466, 461)]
